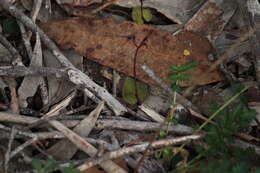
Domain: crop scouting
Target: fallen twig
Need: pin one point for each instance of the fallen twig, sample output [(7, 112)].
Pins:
[(7, 154), (21, 147), (16, 57), (103, 124), (20, 71), (140, 148)]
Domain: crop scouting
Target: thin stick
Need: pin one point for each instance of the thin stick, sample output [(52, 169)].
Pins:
[(140, 148), (7, 154), (16, 57), (104, 6), (102, 124), (22, 147)]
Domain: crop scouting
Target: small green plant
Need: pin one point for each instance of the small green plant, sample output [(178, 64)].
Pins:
[(218, 155), (130, 87), (177, 75), (221, 156), (140, 15)]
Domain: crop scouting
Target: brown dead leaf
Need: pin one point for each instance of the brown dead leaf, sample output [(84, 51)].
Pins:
[(115, 45)]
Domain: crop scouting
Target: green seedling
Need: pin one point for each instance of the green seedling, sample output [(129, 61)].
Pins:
[(140, 15), (130, 88), (178, 74)]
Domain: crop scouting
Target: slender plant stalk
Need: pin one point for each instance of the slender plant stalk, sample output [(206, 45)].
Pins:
[(216, 113)]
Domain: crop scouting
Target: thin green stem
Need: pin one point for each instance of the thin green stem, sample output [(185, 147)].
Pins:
[(173, 108), (188, 165), (216, 113), (221, 108)]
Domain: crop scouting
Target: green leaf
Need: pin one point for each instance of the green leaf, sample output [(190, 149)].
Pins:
[(185, 77), (70, 169), (162, 134), (37, 164), (176, 88), (50, 164), (175, 68), (147, 15), (184, 67), (180, 77), (137, 15), (129, 91), (174, 77)]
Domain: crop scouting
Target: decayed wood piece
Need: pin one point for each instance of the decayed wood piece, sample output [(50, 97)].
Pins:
[(20, 71), (75, 75), (115, 45), (212, 17)]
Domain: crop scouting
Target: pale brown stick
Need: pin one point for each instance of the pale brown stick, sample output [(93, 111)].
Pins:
[(140, 148)]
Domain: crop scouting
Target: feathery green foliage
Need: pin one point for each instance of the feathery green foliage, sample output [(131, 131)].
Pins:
[(220, 155)]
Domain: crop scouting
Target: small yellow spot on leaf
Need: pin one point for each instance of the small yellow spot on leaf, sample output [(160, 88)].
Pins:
[(186, 52)]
